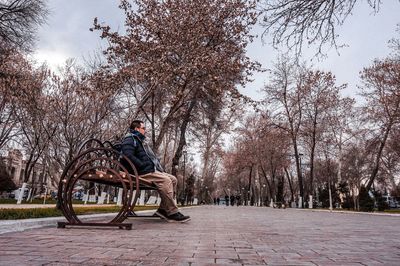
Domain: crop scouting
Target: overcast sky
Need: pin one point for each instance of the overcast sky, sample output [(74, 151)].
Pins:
[(67, 35)]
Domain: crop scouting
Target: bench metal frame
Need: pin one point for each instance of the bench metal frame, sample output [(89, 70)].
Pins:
[(99, 162)]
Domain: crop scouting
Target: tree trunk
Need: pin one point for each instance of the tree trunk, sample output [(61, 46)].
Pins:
[(249, 186), (206, 158), (339, 173), (290, 185), (312, 156), (170, 116), (379, 156), (266, 180), (182, 138), (153, 130), (298, 169), (21, 194)]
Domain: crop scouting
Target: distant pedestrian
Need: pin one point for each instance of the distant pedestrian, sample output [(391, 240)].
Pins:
[(238, 200)]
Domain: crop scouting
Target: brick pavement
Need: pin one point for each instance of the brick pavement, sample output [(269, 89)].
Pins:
[(217, 235)]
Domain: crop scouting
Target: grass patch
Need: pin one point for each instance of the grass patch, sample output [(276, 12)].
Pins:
[(8, 201), (392, 211), (374, 211), (352, 210), (40, 201), (16, 214)]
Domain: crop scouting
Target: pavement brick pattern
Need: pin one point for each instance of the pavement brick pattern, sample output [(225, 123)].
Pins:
[(217, 235)]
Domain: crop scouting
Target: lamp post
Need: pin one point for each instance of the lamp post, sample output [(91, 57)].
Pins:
[(200, 190), (263, 194), (258, 190), (301, 184), (229, 197), (330, 193), (208, 193), (45, 194), (243, 201), (184, 177)]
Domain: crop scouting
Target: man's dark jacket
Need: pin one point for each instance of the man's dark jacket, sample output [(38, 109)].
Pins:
[(139, 153)]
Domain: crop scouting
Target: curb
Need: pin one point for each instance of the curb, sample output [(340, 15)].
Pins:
[(9, 226), (352, 212)]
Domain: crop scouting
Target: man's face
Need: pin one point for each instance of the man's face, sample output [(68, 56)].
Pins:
[(141, 129)]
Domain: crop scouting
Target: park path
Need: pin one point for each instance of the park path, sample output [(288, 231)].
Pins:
[(217, 235)]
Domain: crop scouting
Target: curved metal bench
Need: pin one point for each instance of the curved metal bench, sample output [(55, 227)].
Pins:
[(98, 162)]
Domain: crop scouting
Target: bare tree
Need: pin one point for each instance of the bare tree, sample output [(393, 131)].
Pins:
[(210, 126), (391, 160), (355, 164), (240, 160), (321, 98), (312, 22), (273, 153), (84, 107), (381, 90), (18, 22), (285, 102), (259, 157), (14, 79), (177, 54), (37, 124), (394, 43), (342, 127)]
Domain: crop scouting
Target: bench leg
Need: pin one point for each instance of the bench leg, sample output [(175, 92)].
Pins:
[(132, 214), (127, 226), (61, 224)]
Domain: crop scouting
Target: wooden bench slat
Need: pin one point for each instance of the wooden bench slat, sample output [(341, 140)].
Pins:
[(110, 179)]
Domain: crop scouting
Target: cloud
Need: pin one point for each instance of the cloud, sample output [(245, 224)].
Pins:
[(53, 59), (67, 34)]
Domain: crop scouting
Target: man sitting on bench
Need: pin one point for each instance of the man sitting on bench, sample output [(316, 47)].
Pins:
[(135, 147)]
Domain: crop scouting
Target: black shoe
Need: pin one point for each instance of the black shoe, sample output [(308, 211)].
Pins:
[(162, 214), (178, 217)]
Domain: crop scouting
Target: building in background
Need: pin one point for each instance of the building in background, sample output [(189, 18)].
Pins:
[(39, 179)]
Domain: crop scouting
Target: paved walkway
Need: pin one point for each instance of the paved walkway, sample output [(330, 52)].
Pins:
[(216, 234), (30, 206)]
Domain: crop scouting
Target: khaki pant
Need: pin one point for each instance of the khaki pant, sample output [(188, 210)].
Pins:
[(166, 185)]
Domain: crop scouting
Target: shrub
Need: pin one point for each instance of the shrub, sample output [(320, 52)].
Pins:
[(365, 201), (6, 181), (348, 203), (381, 204)]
